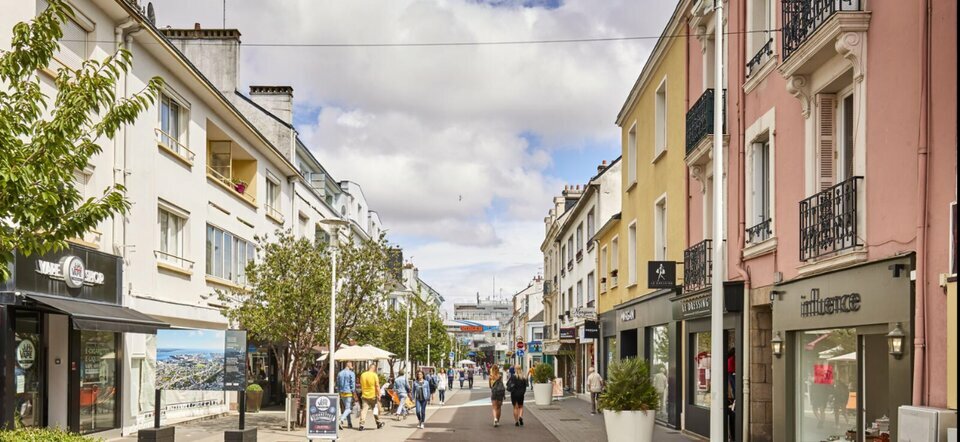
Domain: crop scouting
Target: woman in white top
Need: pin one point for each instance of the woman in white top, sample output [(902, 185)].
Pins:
[(442, 387)]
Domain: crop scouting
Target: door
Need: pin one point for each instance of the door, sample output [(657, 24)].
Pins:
[(29, 371)]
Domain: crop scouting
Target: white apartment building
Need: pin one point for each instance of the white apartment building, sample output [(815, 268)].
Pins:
[(573, 256), (208, 170)]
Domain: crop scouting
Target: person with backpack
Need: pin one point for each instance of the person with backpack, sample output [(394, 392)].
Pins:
[(432, 380), (450, 374), (497, 393), (517, 385)]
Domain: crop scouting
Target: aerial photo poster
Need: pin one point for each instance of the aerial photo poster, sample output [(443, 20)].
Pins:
[(190, 359)]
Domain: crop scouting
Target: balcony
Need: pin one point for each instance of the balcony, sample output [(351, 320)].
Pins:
[(760, 232), (829, 220), (698, 266), (170, 144), (700, 119), (760, 57), (802, 18)]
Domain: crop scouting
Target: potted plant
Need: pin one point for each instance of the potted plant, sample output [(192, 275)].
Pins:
[(629, 401), (240, 186), (543, 384), (254, 397)]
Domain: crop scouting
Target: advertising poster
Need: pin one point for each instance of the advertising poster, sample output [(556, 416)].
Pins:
[(235, 360), (823, 374), (190, 359), (322, 416)]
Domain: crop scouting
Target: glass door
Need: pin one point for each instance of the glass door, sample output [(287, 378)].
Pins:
[(98, 381), (826, 389), (29, 369)]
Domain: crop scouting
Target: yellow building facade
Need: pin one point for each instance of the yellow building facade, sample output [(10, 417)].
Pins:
[(651, 226)]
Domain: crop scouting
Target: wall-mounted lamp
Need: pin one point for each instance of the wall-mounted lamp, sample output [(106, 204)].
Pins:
[(776, 295), (777, 345), (895, 341)]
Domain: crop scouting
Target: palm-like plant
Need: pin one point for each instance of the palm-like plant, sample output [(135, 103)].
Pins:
[(629, 387)]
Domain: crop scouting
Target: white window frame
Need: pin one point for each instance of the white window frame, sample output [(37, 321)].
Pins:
[(603, 268), (579, 302), (176, 142), (580, 237), (236, 273), (764, 128), (632, 254), (660, 120), (840, 159), (86, 25), (631, 156), (178, 253), (273, 197), (591, 289), (614, 262), (660, 228)]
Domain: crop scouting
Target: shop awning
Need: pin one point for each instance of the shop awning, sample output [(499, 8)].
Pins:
[(101, 317)]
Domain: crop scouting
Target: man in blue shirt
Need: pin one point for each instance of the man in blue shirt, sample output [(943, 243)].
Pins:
[(402, 388), (347, 386)]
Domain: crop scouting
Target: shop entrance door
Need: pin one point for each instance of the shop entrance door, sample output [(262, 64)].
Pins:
[(29, 372), (698, 381)]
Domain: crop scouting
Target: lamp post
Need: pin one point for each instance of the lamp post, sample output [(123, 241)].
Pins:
[(334, 224), (717, 381)]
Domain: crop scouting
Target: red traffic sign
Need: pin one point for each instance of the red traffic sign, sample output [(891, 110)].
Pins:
[(520, 345)]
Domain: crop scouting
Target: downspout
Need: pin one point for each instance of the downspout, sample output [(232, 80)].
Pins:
[(686, 108), (921, 394), (744, 365), (121, 35)]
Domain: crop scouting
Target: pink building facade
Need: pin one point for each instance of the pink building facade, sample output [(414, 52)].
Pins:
[(840, 178)]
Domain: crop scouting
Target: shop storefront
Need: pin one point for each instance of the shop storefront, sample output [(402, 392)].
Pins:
[(646, 325), (693, 311), (844, 352), (608, 340), (61, 326)]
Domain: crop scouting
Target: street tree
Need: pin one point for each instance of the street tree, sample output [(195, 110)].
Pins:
[(45, 140)]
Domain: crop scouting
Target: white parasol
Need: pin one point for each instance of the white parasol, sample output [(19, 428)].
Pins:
[(359, 353)]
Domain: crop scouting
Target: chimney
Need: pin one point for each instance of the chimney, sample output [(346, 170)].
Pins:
[(278, 100), (602, 167), (216, 52)]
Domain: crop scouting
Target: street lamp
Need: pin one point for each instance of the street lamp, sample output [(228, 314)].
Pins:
[(334, 224), (895, 341), (776, 345)]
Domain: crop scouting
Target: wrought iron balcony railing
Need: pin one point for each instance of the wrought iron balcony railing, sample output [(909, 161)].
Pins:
[(700, 118), (828, 220), (762, 55), (760, 232), (801, 18), (698, 266)]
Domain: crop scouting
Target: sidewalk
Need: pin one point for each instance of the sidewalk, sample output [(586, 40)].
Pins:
[(569, 420), (271, 427)]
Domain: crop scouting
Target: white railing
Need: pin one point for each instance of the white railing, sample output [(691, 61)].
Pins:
[(274, 213), (171, 142), (178, 261), (228, 183)]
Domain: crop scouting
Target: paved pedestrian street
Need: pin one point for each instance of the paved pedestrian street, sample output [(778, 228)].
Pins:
[(466, 416)]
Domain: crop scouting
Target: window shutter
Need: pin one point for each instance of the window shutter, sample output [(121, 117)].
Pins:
[(826, 138)]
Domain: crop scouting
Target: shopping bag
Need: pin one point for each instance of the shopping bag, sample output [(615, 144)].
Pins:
[(409, 404)]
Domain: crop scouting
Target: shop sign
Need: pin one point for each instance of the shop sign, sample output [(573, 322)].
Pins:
[(26, 354), (322, 416), (591, 330), (585, 312), (661, 274), (535, 347), (695, 306), (816, 306), (471, 329), (568, 333), (71, 271), (628, 315)]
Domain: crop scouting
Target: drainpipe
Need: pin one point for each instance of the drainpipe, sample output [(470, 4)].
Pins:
[(921, 394), (121, 35), (744, 366)]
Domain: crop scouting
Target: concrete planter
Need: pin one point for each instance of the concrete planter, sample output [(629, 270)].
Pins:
[(542, 393), (629, 426)]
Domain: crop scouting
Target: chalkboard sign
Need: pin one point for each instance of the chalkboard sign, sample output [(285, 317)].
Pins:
[(235, 360), (322, 416)]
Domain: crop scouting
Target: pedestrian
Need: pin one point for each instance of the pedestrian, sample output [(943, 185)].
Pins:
[(442, 389), (497, 393), (450, 374), (530, 374), (595, 386), (369, 387), (402, 388), (432, 379), (347, 386), (462, 377), (386, 401), (470, 378), (518, 388), (421, 393)]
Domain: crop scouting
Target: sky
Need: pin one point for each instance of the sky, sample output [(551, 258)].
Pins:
[(460, 149)]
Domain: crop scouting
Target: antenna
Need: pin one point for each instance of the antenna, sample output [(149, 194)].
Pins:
[(224, 14), (151, 15)]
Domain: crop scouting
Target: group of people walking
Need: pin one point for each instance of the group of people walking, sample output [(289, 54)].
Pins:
[(399, 394), (516, 385)]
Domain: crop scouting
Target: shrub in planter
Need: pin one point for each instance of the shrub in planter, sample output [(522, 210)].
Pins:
[(543, 384), (629, 401), (43, 435), (254, 398)]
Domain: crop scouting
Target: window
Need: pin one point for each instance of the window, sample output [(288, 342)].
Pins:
[(172, 133), (760, 188), (570, 251), (171, 237), (603, 267), (632, 253), (709, 62), (660, 229), (759, 40), (579, 293), (563, 256), (273, 198), (660, 128), (538, 333), (845, 126), (75, 45), (221, 158), (233, 168), (591, 290), (579, 240), (631, 157), (614, 260), (228, 255), (591, 224), (320, 235), (570, 300)]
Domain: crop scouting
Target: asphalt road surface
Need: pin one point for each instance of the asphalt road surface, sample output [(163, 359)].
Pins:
[(468, 417)]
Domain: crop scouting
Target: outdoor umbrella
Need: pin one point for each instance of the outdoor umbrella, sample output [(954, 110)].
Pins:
[(466, 362), (359, 353)]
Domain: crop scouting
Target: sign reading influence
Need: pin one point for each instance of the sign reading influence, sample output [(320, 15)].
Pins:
[(817, 306)]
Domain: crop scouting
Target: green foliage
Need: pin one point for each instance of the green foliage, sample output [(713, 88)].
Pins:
[(629, 387), (287, 304), (542, 373), (46, 140), (254, 388), (43, 435)]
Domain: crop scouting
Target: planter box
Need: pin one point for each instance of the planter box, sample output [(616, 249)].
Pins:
[(542, 393), (629, 426)]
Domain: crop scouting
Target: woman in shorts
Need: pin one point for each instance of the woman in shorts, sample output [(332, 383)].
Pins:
[(518, 388)]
